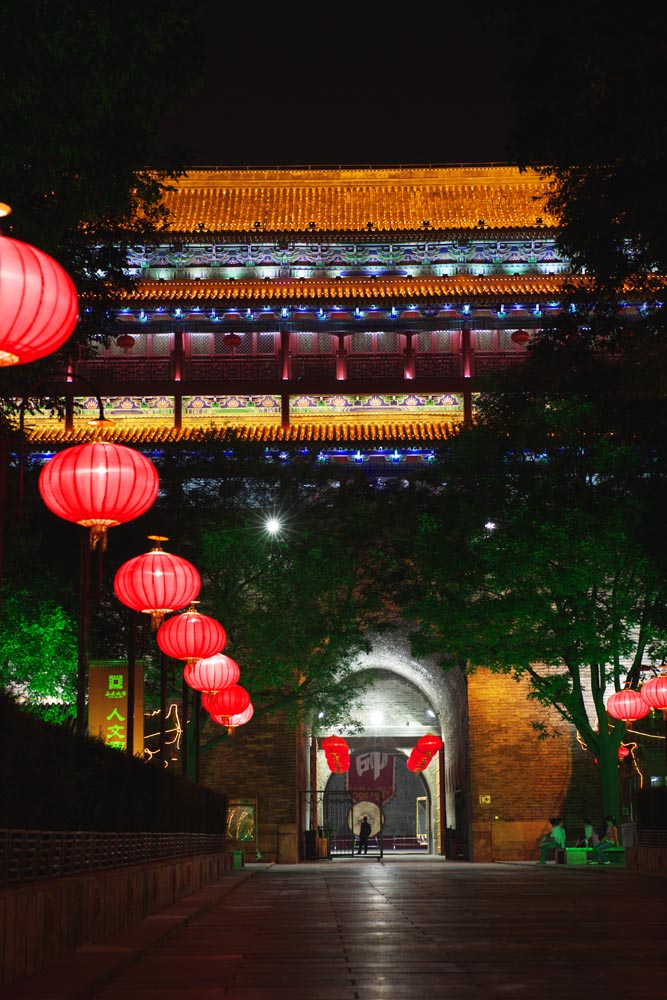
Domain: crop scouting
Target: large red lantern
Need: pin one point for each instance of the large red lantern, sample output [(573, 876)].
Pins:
[(627, 705), (230, 701), (191, 636), (99, 485), (157, 582), (234, 721), (654, 692), (337, 753), (215, 673), (521, 337), (39, 303), (424, 751)]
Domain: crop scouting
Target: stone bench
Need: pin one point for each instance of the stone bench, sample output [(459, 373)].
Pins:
[(582, 855)]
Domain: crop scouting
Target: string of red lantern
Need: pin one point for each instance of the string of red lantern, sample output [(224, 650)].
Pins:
[(98, 485), (191, 636), (157, 582), (39, 303)]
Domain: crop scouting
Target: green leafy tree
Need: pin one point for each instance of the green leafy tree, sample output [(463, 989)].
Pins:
[(540, 559)]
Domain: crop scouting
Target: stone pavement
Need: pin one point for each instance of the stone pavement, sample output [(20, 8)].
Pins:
[(401, 929)]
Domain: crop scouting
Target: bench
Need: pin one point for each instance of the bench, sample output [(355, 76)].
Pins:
[(582, 855)]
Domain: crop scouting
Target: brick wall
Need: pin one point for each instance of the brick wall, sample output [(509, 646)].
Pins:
[(526, 779), (261, 760)]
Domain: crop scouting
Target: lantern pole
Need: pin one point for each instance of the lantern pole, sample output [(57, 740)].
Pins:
[(184, 743), (163, 707), (82, 659), (131, 680)]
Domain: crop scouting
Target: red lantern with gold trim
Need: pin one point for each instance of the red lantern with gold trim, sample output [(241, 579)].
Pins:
[(234, 721), (39, 303), (191, 636), (230, 701), (215, 673), (627, 705), (157, 582), (99, 485), (654, 692)]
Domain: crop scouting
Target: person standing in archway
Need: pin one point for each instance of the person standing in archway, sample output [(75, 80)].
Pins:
[(364, 834)]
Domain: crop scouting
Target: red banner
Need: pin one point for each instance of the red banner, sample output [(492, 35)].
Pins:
[(372, 772)]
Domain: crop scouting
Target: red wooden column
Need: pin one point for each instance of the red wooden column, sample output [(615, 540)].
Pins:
[(409, 357), (341, 358), (177, 362), (284, 374), (466, 365)]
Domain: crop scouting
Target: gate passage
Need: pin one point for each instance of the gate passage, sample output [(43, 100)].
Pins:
[(335, 818)]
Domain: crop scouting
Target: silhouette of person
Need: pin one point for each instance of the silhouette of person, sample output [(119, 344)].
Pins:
[(364, 834)]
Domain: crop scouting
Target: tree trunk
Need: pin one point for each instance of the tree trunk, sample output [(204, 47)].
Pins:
[(609, 780)]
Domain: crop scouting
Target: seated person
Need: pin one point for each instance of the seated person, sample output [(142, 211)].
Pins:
[(552, 840), (609, 839)]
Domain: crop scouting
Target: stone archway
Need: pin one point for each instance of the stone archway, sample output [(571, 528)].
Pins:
[(406, 699)]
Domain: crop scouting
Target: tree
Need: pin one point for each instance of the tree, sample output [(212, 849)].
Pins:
[(83, 164), (588, 95), (540, 559)]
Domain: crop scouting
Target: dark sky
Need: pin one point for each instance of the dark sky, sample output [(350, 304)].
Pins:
[(342, 85)]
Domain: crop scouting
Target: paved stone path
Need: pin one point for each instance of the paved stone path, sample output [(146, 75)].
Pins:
[(400, 929)]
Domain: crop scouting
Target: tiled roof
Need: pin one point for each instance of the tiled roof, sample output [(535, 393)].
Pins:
[(325, 432), (357, 200), (339, 291)]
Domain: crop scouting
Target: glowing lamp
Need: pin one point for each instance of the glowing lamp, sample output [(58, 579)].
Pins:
[(627, 705), (337, 753), (191, 636), (521, 337), (99, 486), (230, 701), (623, 752), (157, 582), (215, 673), (654, 692), (39, 303), (429, 744)]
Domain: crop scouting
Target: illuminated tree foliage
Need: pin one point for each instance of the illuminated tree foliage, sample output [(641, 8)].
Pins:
[(543, 551)]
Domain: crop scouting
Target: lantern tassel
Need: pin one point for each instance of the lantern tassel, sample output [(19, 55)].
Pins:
[(98, 536)]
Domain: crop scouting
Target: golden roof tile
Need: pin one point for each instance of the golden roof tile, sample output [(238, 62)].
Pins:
[(357, 200), (349, 291)]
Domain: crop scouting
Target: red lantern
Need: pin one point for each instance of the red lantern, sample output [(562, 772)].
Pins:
[(99, 485), (654, 692), (337, 753), (157, 582), (215, 673), (39, 303), (232, 339), (230, 701), (429, 744), (623, 752), (126, 341), (233, 721), (521, 337), (627, 705), (191, 636)]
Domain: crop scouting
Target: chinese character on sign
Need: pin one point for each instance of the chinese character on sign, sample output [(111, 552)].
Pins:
[(116, 686), (116, 733)]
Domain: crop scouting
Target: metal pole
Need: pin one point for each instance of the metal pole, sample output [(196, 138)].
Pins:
[(184, 738), (163, 708), (131, 681), (82, 663)]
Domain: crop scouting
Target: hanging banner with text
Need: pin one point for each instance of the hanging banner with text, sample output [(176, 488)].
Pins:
[(107, 704), (372, 772)]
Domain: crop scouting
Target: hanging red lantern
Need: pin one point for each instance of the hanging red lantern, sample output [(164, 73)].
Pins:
[(337, 753), (424, 751), (215, 673), (126, 341), (627, 705), (39, 303), (157, 582), (521, 337), (230, 701), (232, 340), (654, 692), (234, 721), (191, 636), (99, 485), (623, 752)]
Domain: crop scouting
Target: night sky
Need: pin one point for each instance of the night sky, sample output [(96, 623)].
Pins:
[(329, 89)]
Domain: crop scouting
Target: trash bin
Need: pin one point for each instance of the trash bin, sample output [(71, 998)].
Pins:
[(239, 860), (310, 845), (323, 847)]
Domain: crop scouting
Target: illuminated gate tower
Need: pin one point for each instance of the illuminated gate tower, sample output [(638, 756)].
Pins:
[(353, 310)]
